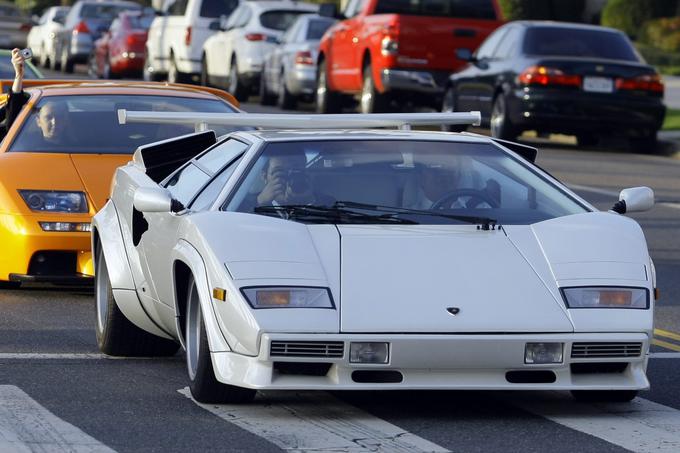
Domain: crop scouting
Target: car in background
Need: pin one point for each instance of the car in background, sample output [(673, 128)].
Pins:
[(84, 24), (14, 26), (56, 174), (387, 52), (233, 57), (376, 260), (120, 51), (176, 37), (42, 35), (551, 77), (289, 70), (7, 70)]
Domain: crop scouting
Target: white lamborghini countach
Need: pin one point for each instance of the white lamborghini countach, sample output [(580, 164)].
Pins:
[(332, 256)]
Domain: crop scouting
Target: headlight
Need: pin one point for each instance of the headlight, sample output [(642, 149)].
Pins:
[(288, 297), (606, 297), (54, 201)]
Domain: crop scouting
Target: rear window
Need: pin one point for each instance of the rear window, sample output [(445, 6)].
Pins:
[(217, 8), (140, 22), (88, 124), (279, 20), (317, 28), (466, 9), (105, 10), (572, 42)]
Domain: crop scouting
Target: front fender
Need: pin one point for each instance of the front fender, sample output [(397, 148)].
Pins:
[(107, 227), (186, 253)]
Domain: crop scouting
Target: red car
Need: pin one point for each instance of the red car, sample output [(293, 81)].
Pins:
[(120, 51)]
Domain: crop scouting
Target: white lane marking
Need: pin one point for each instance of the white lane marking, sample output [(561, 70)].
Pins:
[(316, 421), (641, 425), (664, 355), (26, 426)]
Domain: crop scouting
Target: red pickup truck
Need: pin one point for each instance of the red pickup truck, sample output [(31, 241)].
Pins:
[(387, 51)]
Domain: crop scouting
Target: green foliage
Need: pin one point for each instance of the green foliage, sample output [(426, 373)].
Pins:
[(627, 15), (672, 120), (569, 11), (663, 33)]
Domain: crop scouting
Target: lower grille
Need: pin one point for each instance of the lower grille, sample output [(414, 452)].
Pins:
[(605, 350), (332, 349)]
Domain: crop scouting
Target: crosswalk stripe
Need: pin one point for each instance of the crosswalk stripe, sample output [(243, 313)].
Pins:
[(26, 426), (641, 426), (316, 421)]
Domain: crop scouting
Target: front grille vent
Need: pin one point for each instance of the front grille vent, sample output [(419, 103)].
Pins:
[(605, 350), (332, 349)]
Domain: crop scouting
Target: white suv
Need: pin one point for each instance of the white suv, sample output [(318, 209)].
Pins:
[(176, 37), (233, 57)]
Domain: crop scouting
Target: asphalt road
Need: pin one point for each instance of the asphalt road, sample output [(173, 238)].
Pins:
[(58, 394)]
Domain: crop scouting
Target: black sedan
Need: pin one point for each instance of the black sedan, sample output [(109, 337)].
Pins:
[(555, 77)]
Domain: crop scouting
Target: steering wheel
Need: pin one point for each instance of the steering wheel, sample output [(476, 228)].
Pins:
[(476, 197)]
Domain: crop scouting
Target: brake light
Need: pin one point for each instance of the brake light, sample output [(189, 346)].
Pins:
[(187, 36), (81, 28), (304, 58), (256, 37), (131, 40), (25, 27), (542, 75), (647, 82)]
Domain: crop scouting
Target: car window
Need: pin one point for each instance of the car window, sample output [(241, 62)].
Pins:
[(210, 193), (487, 48), (178, 8), (186, 183), (89, 123), (280, 19), (217, 8), (574, 42), (317, 27), (439, 177), (105, 10), (467, 9), (140, 22), (292, 32), (60, 15), (508, 45), (220, 155)]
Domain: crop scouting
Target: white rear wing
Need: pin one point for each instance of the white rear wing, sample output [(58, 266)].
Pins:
[(283, 121)]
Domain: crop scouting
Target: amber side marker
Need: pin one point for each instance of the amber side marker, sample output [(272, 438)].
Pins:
[(657, 294), (220, 294)]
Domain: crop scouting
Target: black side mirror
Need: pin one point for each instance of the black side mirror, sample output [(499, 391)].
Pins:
[(328, 10), (214, 25), (465, 55)]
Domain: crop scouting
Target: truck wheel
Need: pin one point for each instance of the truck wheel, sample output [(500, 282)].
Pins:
[(116, 335), (372, 101), (266, 98), (205, 388), (236, 86), (148, 73), (205, 78), (66, 62), (644, 144), (174, 76), (449, 106), (327, 101), (286, 100), (501, 127)]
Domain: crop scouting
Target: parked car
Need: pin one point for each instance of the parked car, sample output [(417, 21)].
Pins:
[(340, 258), (85, 23), (56, 173), (14, 26), (233, 57), (7, 70), (120, 51), (575, 79), (289, 70), (176, 37), (42, 35), (394, 51)]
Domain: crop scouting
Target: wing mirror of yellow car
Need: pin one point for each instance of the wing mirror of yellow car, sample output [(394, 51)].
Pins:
[(634, 199), (155, 199)]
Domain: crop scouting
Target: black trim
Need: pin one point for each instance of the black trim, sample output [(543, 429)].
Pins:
[(566, 302), (328, 291), (163, 158), (526, 152), (81, 279)]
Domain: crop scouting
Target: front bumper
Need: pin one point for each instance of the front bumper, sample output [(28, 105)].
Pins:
[(573, 112), (29, 253), (472, 362)]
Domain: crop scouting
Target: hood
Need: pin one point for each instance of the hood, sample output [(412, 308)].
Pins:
[(96, 172)]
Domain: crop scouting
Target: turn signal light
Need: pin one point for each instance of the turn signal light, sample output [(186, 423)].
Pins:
[(304, 58), (542, 75), (647, 82)]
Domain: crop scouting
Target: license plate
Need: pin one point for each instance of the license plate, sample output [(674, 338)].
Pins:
[(598, 84)]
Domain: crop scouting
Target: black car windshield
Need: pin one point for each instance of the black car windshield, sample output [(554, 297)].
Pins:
[(462, 9), (317, 27), (398, 181), (574, 42), (89, 123)]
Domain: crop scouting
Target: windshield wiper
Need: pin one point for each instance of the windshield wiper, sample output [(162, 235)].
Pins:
[(333, 214), (483, 223)]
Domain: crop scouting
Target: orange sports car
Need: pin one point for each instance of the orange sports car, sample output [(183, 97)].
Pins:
[(57, 161)]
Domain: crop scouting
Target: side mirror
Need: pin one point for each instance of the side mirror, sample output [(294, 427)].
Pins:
[(214, 25), (328, 10), (465, 55), (155, 199), (635, 199)]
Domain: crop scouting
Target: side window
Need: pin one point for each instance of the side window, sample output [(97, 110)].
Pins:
[(291, 33), (178, 8), (217, 8), (216, 158), (509, 45), (212, 190), (486, 50), (186, 183)]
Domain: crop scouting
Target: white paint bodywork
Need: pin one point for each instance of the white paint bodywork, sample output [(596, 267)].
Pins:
[(390, 283)]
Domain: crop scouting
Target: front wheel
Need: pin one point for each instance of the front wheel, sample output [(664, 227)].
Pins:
[(66, 62), (266, 98), (604, 396), (148, 73), (327, 101), (205, 388), (205, 78), (236, 86), (286, 100), (372, 101), (646, 143), (501, 127), (449, 106)]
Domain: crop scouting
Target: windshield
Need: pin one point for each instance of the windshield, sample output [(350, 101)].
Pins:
[(572, 42), (140, 22), (280, 19), (89, 123), (424, 182), (465, 9)]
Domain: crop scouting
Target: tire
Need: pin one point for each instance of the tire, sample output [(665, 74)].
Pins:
[(107, 73), (587, 140), (92, 69), (148, 73), (236, 86), (205, 78), (371, 101), (55, 65), (43, 60), (116, 335), (266, 98), (285, 100), (449, 106), (174, 76), (644, 144), (66, 62), (327, 101), (604, 396), (10, 285), (501, 127), (205, 388)]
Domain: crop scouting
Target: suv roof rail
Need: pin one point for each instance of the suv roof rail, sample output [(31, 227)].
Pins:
[(402, 121)]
